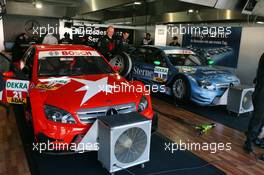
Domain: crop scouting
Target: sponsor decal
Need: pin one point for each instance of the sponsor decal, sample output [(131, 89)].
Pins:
[(213, 72), (14, 100), (186, 69), (47, 87), (187, 52), (17, 85), (44, 54), (160, 74), (52, 83), (141, 72), (16, 97)]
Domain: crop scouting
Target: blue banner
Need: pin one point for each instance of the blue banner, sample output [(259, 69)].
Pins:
[(222, 48)]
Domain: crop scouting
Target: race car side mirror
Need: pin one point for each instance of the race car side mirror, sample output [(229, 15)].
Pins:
[(9, 74), (116, 68)]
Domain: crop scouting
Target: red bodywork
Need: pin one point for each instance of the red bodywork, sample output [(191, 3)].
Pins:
[(66, 98)]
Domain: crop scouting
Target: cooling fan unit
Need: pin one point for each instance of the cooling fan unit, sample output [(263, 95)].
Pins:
[(240, 99), (124, 141)]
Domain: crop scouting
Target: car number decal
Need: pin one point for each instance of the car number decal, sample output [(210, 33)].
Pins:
[(16, 91), (16, 97), (160, 74)]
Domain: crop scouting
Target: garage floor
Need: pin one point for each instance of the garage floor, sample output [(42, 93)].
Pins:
[(12, 157), (231, 162)]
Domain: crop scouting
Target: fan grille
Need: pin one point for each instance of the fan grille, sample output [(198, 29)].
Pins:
[(130, 145), (247, 100)]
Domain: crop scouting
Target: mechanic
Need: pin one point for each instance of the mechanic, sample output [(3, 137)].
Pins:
[(19, 47), (123, 42), (107, 45), (257, 119), (66, 39), (175, 42), (34, 40), (147, 40)]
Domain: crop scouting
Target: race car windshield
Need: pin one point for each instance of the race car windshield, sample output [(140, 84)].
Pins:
[(185, 60), (73, 66)]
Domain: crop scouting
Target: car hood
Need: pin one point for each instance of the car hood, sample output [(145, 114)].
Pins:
[(80, 92), (210, 73)]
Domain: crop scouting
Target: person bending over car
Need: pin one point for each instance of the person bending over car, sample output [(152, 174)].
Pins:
[(257, 119), (107, 45)]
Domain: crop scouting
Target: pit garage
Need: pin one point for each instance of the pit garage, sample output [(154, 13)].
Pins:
[(131, 87)]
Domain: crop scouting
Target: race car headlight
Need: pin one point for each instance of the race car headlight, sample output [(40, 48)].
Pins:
[(58, 115), (143, 104)]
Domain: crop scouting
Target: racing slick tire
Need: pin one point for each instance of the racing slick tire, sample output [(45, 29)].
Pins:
[(181, 89), (122, 60)]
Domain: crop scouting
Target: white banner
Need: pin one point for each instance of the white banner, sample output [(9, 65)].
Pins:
[(160, 35)]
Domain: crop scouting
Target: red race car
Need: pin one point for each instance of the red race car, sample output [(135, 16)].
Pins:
[(65, 88)]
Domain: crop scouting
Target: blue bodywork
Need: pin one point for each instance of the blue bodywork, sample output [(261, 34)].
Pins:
[(215, 81)]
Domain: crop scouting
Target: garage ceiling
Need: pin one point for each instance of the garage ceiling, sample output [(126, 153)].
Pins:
[(65, 3), (155, 11)]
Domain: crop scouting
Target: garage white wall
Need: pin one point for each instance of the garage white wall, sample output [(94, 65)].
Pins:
[(251, 48), (1, 35)]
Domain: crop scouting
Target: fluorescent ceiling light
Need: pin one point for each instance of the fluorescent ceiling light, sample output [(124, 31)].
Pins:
[(260, 22), (137, 3), (190, 11), (38, 5)]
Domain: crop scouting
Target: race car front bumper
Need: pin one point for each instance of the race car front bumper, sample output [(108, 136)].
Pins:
[(205, 97), (63, 138)]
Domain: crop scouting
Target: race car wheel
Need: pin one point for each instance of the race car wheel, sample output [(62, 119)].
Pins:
[(123, 61), (181, 89)]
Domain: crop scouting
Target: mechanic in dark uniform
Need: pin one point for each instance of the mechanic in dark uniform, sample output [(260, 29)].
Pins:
[(122, 43), (107, 44), (175, 42), (257, 119), (66, 39), (19, 47)]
